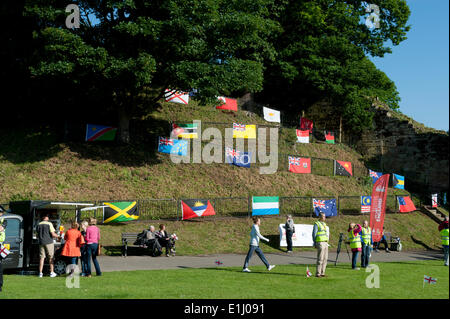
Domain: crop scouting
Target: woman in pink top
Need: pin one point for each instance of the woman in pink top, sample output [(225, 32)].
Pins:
[(355, 229), (92, 239)]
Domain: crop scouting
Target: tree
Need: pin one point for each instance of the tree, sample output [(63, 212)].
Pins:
[(321, 54), (126, 47)]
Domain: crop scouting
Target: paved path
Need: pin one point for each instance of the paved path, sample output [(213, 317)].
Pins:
[(118, 263)]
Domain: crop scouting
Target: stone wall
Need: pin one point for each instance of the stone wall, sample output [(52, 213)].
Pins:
[(397, 144)]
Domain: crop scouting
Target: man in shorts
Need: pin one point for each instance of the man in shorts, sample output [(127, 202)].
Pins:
[(46, 232)]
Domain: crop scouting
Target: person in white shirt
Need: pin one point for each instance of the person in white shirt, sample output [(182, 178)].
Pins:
[(255, 236)]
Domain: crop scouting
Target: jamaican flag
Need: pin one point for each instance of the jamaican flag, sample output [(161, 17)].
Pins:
[(117, 212)]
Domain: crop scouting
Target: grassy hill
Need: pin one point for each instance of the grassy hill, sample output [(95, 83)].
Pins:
[(34, 164)]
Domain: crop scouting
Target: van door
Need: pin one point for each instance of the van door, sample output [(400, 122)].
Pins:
[(14, 237)]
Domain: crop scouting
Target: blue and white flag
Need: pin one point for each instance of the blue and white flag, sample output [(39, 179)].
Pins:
[(374, 175), (265, 205), (238, 158), (328, 207), (172, 146)]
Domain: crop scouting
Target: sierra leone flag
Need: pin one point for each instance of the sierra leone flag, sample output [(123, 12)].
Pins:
[(117, 212), (191, 208), (265, 205), (184, 130), (100, 133)]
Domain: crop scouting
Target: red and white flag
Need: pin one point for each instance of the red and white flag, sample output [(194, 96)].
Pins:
[(434, 200), (227, 104), (378, 207), (302, 136), (4, 251), (429, 280), (176, 97), (308, 273)]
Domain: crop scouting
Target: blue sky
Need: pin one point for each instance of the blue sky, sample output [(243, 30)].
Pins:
[(419, 66)]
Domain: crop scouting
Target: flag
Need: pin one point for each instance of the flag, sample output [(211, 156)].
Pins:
[(306, 124), (238, 158), (329, 137), (378, 206), (191, 208), (228, 104), (265, 205), (374, 175), (100, 133), (4, 251), (434, 200), (444, 201), (171, 146), (405, 204), (302, 136), (117, 212), (244, 131), (429, 280), (185, 130), (342, 168), (271, 115), (328, 207), (398, 181), (299, 165), (176, 96), (308, 273), (365, 204)]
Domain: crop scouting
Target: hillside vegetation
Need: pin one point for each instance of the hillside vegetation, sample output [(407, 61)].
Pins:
[(35, 165)]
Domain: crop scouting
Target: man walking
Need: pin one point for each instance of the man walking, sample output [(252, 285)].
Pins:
[(255, 235), (46, 232), (321, 236), (366, 241)]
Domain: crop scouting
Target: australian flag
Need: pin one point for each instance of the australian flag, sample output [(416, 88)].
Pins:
[(238, 158), (328, 207)]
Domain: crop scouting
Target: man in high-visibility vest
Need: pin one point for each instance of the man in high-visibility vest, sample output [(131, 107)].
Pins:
[(321, 236), (366, 242), (354, 237), (444, 238)]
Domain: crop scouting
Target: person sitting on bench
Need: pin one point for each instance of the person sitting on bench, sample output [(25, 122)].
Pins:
[(384, 241), (151, 241)]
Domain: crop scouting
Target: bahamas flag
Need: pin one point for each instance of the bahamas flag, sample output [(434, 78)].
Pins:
[(244, 131), (100, 133), (117, 212), (398, 181)]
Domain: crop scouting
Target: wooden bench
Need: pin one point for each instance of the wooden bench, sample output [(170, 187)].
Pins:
[(128, 239)]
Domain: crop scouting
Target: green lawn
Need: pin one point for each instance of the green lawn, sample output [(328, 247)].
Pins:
[(398, 280)]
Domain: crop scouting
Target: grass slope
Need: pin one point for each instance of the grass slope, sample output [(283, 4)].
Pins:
[(398, 280), (35, 165)]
